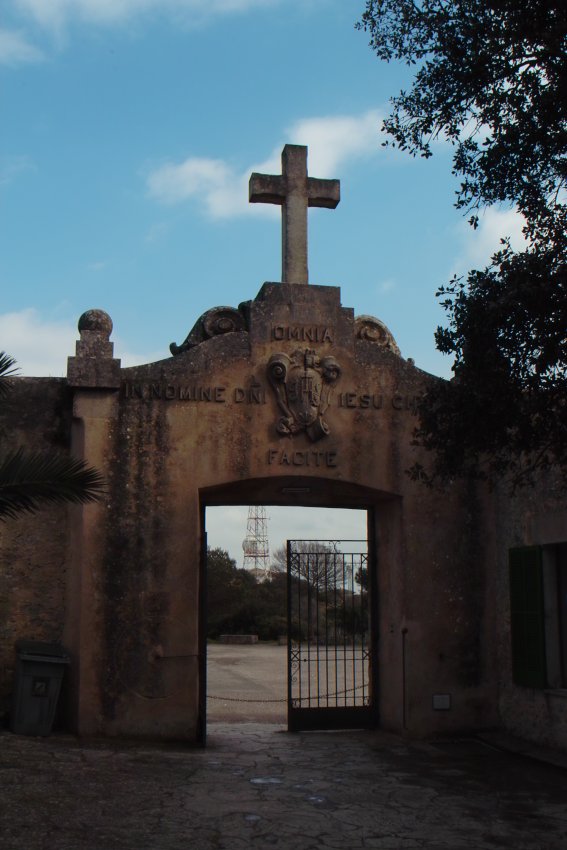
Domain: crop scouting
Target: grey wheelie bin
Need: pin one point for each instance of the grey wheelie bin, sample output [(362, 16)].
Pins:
[(39, 671)]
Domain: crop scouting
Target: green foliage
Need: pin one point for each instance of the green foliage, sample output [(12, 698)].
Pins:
[(505, 412), (29, 480), (491, 79), (361, 578), (239, 604), (7, 369)]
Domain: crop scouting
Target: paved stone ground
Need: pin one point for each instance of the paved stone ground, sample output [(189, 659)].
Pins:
[(256, 786)]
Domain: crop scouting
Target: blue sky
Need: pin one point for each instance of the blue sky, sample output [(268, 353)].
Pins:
[(129, 129)]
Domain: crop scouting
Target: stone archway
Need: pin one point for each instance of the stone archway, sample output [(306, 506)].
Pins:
[(307, 492), (287, 399)]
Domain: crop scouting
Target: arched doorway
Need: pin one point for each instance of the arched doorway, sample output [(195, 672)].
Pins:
[(332, 620)]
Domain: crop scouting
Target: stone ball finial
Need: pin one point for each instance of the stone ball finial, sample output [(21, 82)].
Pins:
[(94, 364), (96, 320)]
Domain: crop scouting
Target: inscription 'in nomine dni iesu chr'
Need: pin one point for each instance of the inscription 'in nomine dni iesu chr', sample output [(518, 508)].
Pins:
[(302, 333), (253, 394)]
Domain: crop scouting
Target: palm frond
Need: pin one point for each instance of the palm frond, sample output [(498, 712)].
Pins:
[(7, 364), (30, 479)]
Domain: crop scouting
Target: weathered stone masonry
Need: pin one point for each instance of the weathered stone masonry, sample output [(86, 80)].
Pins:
[(287, 399)]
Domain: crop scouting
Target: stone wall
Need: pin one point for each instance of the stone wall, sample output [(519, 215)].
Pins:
[(37, 416), (209, 426), (121, 581), (533, 517)]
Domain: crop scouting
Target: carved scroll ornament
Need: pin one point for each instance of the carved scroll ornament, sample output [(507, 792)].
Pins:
[(219, 320), (373, 330)]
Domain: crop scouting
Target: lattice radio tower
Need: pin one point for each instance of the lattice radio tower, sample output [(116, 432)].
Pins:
[(255, 544)]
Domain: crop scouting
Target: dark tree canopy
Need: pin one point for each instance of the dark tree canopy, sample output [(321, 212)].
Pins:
[(239, 604), (491, 79)]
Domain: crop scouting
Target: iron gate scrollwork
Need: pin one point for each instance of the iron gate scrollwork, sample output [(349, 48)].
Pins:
[(330, 676)]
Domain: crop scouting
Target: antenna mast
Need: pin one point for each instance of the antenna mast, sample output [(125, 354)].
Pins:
[(255, 544)]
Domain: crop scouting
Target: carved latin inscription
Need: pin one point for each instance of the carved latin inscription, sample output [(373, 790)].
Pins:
[(254, 394), (302, 333), (377, 401), (303, 393), (305, 457)]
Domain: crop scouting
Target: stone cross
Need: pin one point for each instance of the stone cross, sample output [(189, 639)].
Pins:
[(294, 191)]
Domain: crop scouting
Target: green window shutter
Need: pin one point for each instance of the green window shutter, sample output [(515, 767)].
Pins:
[(527, 617)]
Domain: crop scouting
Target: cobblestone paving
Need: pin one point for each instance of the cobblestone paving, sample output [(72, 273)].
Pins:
[(256, 786)]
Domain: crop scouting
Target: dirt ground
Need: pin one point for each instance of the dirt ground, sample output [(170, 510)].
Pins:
[(247, 684)]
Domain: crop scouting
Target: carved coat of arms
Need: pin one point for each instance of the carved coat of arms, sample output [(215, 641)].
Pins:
[(303, 382)]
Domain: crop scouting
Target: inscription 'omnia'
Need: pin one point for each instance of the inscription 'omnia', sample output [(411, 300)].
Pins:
[(302, 333)]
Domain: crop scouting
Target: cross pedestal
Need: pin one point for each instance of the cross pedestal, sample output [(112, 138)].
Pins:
[(294, 191)]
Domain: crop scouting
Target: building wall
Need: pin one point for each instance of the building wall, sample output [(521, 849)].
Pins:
[(203, 425), (536, 517), (119, 581)]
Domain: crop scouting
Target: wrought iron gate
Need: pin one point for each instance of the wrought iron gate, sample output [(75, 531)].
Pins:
[(330, 676)]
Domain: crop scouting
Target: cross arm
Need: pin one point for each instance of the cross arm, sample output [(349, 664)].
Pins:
[(266, 189), (323, 193)]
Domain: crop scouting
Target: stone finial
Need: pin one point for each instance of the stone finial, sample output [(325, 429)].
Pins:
[(96, 320), (94, 364), (95, 327)]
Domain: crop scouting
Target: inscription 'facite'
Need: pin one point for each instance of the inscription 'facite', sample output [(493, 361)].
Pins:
[(305, 457)]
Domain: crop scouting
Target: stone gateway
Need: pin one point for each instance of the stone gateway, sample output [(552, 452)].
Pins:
[(290, 398)]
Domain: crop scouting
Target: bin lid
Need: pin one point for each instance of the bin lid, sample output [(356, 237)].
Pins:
[(36, 650)]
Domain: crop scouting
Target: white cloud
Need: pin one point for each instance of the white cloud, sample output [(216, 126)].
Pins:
[(203, 178), (332, 140), (56, 15), (16, 50), (12, 166), (41, 346), (386, 286), (336, 139), (478, 246)]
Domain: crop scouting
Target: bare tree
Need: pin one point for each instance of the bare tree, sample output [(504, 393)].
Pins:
[(320, 563)]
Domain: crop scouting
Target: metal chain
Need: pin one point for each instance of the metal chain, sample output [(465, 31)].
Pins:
[(238, 699), (320, 696)]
